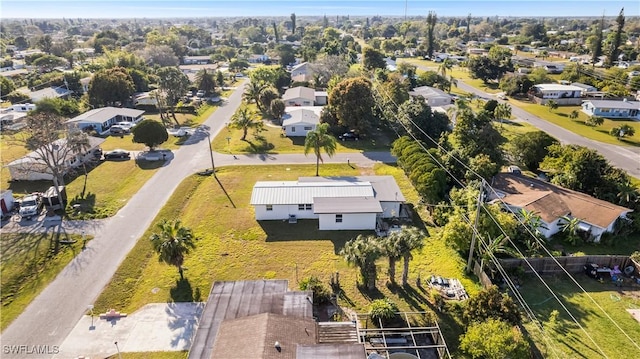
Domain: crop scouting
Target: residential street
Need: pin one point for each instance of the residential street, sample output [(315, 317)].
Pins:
[(625, 157), (53, 314)]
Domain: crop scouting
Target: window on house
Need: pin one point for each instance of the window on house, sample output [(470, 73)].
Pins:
[(301, 207), (308, 206), (293, 128), (269, 207), (308, 128), (338, 218)]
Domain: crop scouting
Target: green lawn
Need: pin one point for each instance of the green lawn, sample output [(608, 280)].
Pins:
[(568, 341), (272, 140), (561, 118), (29, 262), (616, 245), (233, 246)]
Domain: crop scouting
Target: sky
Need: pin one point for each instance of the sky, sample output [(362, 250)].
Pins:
[(245, 8)]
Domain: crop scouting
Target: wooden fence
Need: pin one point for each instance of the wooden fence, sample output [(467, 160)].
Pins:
[(547, 265)]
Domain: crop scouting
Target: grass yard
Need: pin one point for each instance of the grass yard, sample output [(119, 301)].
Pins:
[(29, 262), (616, 245), (233, 246), (271, 140), (561, 118), (568, 341), (109, 186)]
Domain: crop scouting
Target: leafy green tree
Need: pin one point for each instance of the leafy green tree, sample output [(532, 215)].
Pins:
[(594, 121), (432, 20), (422, 121), (351, 101), (244, 119), (474, 134), (6, 86), (237, 65), (59, 106), (320, 140), (363, 251), (151, 133), (172, 243), (277, 109), (286, 53), (623, 131), (173, 83), (457, 233), (321, 295), (577, 168), (531, 148), (491, 304), (486, 68), (494, 339), (373, 59), (614, 49), (268, 95), (277, 77), (109, 86), (483, 166)]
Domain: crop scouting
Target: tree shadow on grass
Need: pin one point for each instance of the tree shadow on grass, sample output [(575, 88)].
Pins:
[(183, 292), (259, 146), (416, 299), (83, 204), (370, 294)]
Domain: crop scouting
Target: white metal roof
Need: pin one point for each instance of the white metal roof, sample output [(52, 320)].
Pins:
[(294, 192), (300, 116), (346, 205), (558, 87), (103, 114)]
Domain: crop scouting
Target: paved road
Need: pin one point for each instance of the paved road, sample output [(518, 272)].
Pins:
[(625, 157), (52, 315)]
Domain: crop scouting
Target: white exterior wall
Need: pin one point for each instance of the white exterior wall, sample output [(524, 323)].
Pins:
[(390, 209), (549, 229), (299, 129), (282, 211), (21, 173), (350, 221), (299, 101)]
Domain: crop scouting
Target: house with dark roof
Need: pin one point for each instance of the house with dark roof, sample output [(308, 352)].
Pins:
[(553, 204), (613, 109), (338, 203)]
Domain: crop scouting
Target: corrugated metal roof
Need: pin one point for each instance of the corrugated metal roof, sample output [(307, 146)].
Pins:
[(324, 351), (295, 192), (346, 205), (100, 115), (301, 116), (385, 188)]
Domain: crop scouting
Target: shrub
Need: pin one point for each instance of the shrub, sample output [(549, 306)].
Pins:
[(383, 310)]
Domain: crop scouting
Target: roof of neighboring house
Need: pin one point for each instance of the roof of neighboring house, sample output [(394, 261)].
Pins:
[(303, 66), (239, 299), (557, 87), (255, 336), (615, 104), (299, 92), (324, 351), (551, 202), (346, 205), (300, 115), (428, 92), (49, 92), (583, 86), (11, 73), (385, 188), (36, 156), (100, 115)]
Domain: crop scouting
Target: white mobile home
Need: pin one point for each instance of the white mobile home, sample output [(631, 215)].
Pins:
[(298, 121)]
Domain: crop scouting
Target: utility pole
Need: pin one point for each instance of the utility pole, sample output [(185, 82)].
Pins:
[(475, 227)]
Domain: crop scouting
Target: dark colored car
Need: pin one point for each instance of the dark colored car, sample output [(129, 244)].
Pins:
[(117, 154), (349, 136)]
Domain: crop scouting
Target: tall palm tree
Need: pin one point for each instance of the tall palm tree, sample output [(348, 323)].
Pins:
[(172, 243), (391, 249), (245, 119), (445, 66), (570, 226), (552, 105), (363, 251), (318, 140), (267, 96), (408, 238), (573, 115), (205, 81), (627, 193), (502, 111), (252, 93)]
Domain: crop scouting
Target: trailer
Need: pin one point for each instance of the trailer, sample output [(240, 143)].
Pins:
[(51, 200)]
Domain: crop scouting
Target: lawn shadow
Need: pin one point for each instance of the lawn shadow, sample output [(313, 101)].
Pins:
[(306, 230), (27, 187), (370, 294), (416, 299), (83, 204), (260, 146), (184, 319), (149, 165), (225, 191), (562, 114)]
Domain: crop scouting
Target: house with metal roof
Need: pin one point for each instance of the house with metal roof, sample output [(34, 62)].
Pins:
[(561, 94), (612, 108), (304, 96), (338, 203), (101, 119), (298, 121), (553, 204), (433, 96)]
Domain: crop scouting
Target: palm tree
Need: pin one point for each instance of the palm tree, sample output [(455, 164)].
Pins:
[(320, 139), (570, 226), (573, 115), (267, 96), (172, 243), (408, 238), (627, 193), (392, 250), (244, 119), (445, 65), (363, 251), (498, 245), (594, 121), (552, 105), (205, 81), (252, 93), (533, 221), (502, 111)]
